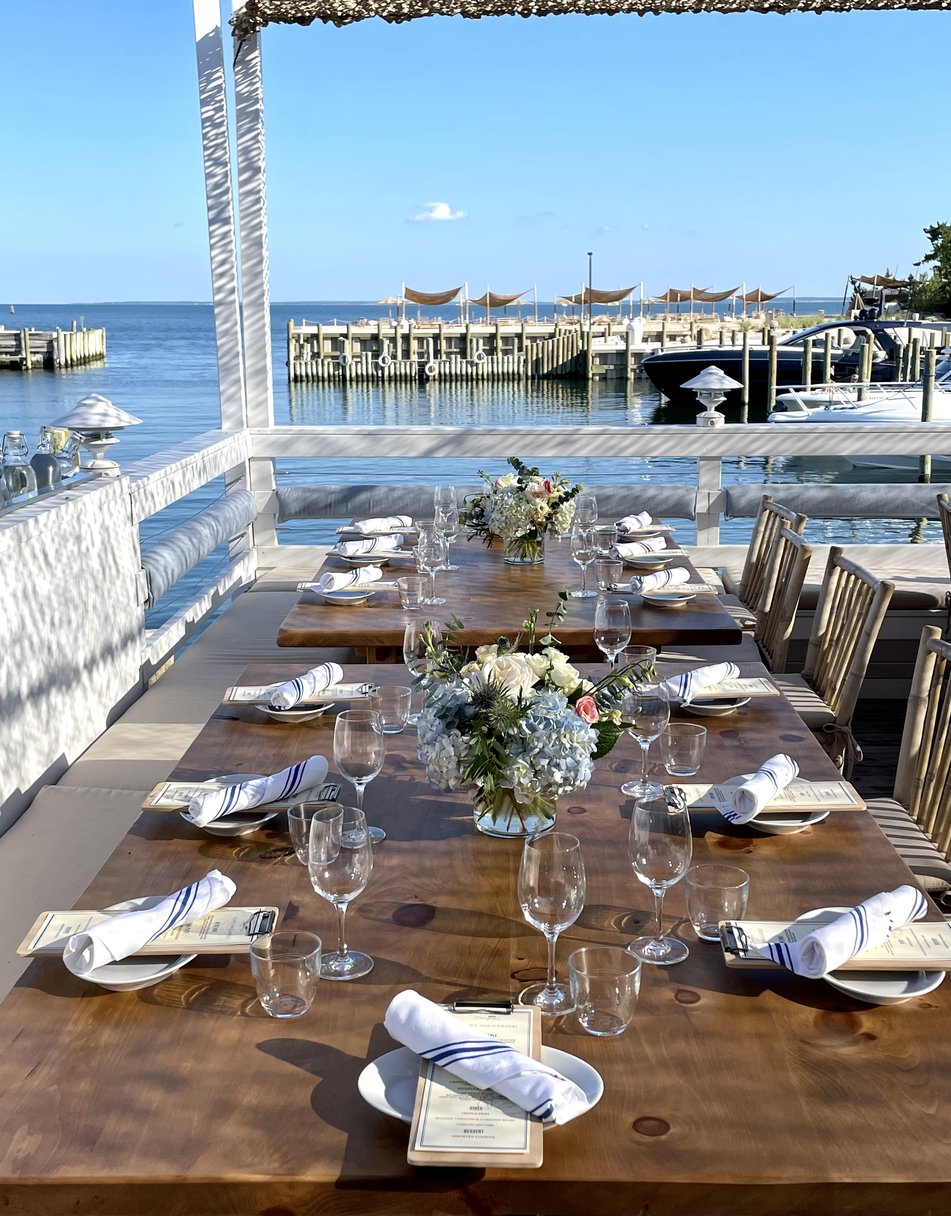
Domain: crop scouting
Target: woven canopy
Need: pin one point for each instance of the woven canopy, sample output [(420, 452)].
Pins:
[(492, 299), (255, 14)]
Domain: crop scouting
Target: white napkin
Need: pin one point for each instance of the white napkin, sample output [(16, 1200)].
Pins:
[(210, 805), (640, 548), (363, 576), (384, 523), (306, 686), (753, 795), (682, 689), (634, 523), (861, 928), (670, 577), (438, 1035), (372, 544), (127, 932)]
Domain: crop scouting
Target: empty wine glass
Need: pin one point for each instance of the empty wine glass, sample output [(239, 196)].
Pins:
[(551, 889), (444, 496), (660, 847), (430, 556), (586, 509), (417, 638), (359, 750), (340, 861), (583, 552), (612, 626), (646, 709), (447, 525)]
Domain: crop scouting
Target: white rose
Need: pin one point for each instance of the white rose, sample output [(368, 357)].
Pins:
[(539, 663), (507, 479), (484, 653), (513, 672), (564, 677)]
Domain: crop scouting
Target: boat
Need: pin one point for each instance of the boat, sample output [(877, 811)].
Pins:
[(804, 403), (670, 369)]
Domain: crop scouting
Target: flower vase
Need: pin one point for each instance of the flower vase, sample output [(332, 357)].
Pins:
[(524, 550), (498, 814)]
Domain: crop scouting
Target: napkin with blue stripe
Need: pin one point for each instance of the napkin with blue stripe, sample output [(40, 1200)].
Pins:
[(634, 523), (642, 548), (210, 805), (758, 791), (127, 932), (438, 1035), (682, 689), (363, 576), (863, 927), (383, 523), (307, 686), (671, 577), (366, 548)]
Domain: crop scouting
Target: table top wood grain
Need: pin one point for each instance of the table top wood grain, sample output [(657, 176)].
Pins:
[(731, 1092), (493, 598)]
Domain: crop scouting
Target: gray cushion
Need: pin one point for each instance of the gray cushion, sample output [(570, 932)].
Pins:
[(807, 704), (840, 501), (912, 844)]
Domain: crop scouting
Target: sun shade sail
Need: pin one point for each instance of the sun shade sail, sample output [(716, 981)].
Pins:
[(432, 298), (597, 297), (492, 299)]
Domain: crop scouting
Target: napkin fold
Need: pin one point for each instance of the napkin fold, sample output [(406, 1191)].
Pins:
[(438, 1035), (633, 523), (127, 932), (861, 928), (383, 523), (640, 548), (756, 792), (305, 686), (363, 576), (670, 577), (372, 544), (683, 688), (210, 805)]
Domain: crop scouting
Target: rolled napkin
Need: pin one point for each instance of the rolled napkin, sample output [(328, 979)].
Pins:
[(640, 548), (372, 544), (384, 523), (755, 793), (670, 577), (861, 928), (682, 689), (634, 523), (127, 932), (308, 685), (438, 1035), (210, 805), (363, 576)]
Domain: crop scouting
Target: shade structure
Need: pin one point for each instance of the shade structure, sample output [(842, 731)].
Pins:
[(492, 299), (878, 280), (432, 299), (595, 296), (713, 297), (675, 295), (390, 301), (758, 296)]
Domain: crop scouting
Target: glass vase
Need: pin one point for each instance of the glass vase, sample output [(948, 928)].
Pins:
[(498, 814), (524, 550)]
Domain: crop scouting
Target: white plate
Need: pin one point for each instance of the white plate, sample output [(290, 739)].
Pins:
[(389, 1083), (786, 824), (358, 595), (879, 987), (294, 715), (667, 599), (130, 974), (715, 708), (241, 822), (363, 559), (647, 561)]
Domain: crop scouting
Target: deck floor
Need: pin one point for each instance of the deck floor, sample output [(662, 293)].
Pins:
[(878, 726)]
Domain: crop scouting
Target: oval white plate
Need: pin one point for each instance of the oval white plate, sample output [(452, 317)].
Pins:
[(389, 1083), (715, 709), (359, 595), (130, 974), (787, 825), (667, 599), (294, 715), (241, 822), (364, 559), (879, 987), (648, 561)]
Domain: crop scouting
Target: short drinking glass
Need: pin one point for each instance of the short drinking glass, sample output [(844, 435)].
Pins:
[(286, 968), (605, 983), (392, 703), (715, 893), (608, 571), (681, 748)]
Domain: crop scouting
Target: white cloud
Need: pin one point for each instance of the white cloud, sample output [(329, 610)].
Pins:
[(438, 211)]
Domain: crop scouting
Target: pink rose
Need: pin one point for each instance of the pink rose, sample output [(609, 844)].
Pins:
[(587, 709)]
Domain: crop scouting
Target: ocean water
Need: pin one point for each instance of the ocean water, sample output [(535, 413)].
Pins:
[(161, 367)]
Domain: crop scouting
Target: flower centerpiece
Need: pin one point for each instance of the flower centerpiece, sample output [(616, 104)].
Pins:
[(515, 723), (520, 508)]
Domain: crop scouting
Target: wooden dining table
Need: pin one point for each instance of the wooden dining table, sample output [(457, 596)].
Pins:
[(492, 598), (732, 1091)]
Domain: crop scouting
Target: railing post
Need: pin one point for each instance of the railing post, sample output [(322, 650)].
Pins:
[(708, 495)]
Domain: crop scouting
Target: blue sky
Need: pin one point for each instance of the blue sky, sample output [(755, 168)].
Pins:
[(707, 149)]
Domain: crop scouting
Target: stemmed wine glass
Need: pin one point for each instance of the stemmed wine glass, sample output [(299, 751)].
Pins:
[(340, 861), (612, 626), (646, 709), (583, 551), (359, 750), (660, 846), (586, 509), (431, 556), (447, 526), (416, 639), (551, 888)]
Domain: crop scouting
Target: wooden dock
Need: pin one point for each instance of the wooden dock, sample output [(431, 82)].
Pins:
[(26, 349)]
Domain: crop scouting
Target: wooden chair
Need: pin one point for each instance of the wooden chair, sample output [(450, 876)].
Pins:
[(944, 514), (771, 519), (917, 821), (780, 594), (848, 620)]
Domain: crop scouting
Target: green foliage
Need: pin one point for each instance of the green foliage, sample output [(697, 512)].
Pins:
[(932, 292)]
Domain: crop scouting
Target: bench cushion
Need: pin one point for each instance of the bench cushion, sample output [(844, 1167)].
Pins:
[(807, 704), (913, 845)]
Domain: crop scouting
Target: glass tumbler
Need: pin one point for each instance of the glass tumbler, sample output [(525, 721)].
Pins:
[(609, 572), (715, 893), (681, 748), (286, 968), (412, 591), (392, 703), (605, 983)]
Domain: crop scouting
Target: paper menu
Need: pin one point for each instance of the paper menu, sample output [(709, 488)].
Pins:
[(922, 944), (740, 686), (220, 932), (799, 795), (260, 694)]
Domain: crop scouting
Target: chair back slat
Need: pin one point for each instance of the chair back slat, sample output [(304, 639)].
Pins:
[(785, 577), (923, 782), (771, 518), (944, 514)]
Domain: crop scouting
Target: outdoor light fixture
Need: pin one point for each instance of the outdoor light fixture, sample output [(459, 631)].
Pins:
[(96, 418), (711, 387)]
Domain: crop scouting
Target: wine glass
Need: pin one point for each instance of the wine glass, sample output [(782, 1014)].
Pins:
[(339, 861), (417, 638), (551, 889), (359, 749), (612, 626), (646, 709), (583, 552), (586, 509), (447, 526), (660, 847), (430, 556)]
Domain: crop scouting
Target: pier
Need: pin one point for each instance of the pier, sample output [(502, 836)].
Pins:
[(27, 349)]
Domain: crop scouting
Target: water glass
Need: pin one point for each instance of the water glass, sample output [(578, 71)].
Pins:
[(412, 589), (298, 825), (608, 571), (612, 626), (642, 662), (681, 748), (715, 893), (430, 553), (605, 983), (286, 968), (392, 703), (605, 538)]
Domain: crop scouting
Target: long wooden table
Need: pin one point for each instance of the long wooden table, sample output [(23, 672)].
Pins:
[(732, 1092), (493, 598)]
